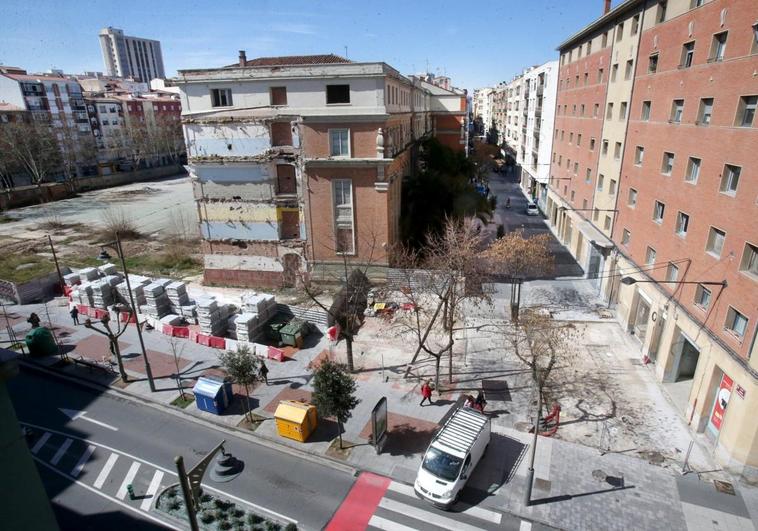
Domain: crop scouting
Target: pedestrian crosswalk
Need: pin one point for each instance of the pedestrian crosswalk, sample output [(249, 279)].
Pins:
[(102, 469)]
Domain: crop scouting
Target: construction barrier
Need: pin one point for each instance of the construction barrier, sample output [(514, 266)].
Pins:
[(127, 317), (275, 354), (217, 342)]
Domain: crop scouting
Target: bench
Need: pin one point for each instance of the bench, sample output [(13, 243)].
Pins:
[(105, 366)]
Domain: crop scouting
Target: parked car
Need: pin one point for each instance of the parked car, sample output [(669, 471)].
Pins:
[(531, 209), (452, 456)]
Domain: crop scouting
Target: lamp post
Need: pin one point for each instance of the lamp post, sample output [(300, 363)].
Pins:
[(57, 267), (628, 281), (105, 256)]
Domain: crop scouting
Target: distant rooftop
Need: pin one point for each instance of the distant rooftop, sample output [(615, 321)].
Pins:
[(289, 60)]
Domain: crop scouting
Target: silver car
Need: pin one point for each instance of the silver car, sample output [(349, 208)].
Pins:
[(531, 209)]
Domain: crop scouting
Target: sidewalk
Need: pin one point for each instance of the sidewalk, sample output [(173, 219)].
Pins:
[(575, 487)]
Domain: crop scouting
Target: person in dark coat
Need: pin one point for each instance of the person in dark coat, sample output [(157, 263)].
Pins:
[(33, 320), (264, 372), (75, 315)]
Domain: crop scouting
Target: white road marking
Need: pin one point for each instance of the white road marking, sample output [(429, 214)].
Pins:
[(74, 414), (99, 493), (41, 442), (388, 525), (155, 483), (121, 494), (426, 516), (61, 451), (478, 512), (100, 481), (82, 461), (166, 470), (525, 526)]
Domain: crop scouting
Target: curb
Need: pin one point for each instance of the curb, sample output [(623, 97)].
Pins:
[(250, 437)]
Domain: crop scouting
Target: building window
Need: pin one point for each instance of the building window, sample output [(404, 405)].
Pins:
[(736, 323), (337, 94), (607, 223), (344, 233), (605, 39), (592, 144), (595, 110), (609, 111), (588, 176), (579, 139), (622, 111), (682, 223), (619, 32), (584, 204), (668, 163), (677, 110), (660, 15), (605, 147), (573, 192), (571, 138), (635, 24), (221, 97), (625, 237), (718, 46), (639, 154), (339, 142), (730, 179), (576, 168), (702, 297), (589, 47), (286, 182), (595, 214), (672, 272), (650, 256), (705, 111), (652, 65), (696, 3), (581, 110), (645, 114), (617, 151), (632, 199), (612, 187), (746, 111), (629, 70), (614, 72), (693, 170), (278, 95), (573, 110), (688, 55), (600, 182), (658, 210), (586, 79), (715, 243), (754, 48), (600, 75), (749, 262)]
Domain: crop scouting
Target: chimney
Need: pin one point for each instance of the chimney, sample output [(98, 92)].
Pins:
[(607, 7), (243, 57)]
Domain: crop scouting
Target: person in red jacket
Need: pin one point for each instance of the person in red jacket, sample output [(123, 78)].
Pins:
[(426, 392)]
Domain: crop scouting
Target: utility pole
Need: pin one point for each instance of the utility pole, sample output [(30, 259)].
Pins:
[(189, 499), (57, 267), (530, 470), (148, 370)]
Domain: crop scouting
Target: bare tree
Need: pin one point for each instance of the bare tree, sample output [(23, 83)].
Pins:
[(452, 275), (543, 346), (112, 336), (77, 149), (169, 138), (32, 148), (177, 347), (520, 258)]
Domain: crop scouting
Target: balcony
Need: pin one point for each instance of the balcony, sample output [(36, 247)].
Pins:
[(540, 90)]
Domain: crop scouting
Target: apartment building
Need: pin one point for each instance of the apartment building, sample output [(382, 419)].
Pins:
[(654, 202), (297, 161), (483, 107), (133, 57)]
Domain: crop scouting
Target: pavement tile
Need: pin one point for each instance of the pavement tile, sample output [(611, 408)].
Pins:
[(288, 393), (401, 423), (96, 346), (161, 363)]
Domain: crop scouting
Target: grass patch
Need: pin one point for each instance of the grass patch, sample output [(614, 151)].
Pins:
[(183, 402), (6, 219), (22, 268), (172, 262), (80, 260)]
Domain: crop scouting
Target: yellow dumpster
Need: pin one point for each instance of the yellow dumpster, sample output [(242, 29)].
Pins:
[(295, 420)]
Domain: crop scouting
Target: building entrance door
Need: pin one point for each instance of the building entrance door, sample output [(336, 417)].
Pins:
[(594, 266), (641, 318)]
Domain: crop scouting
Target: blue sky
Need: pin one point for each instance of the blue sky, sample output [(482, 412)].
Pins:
[(475, 43)]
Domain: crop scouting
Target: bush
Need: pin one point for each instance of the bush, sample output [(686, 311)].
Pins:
[(172, 494), (290, 527), (224, 524), (238, 513), (173, 505), (118, 221), (207, 517), (254, 519), (272, 526)]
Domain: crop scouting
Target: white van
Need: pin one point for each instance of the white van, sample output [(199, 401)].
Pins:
[(452, 456)]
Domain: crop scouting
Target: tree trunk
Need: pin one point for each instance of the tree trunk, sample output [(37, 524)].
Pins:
[(437, 360), (450, 359), (339, 432), (119, 362), (349, 351), (247, 404)]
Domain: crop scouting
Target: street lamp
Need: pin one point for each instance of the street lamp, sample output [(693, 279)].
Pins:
[(104, 256), (628, 281)]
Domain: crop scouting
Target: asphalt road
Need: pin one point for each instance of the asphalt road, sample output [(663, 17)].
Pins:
[(86, 477)]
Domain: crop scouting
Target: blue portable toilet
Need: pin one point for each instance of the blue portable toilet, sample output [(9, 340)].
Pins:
[(212, 395)]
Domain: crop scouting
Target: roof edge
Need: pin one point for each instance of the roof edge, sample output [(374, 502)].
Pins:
[(599, 22)]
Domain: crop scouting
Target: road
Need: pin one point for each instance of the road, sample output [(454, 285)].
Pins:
[(84, 465)]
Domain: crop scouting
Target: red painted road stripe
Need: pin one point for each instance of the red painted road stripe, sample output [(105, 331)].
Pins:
[(360, 503)]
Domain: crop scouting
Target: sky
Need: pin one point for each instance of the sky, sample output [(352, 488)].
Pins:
[(475, 43)]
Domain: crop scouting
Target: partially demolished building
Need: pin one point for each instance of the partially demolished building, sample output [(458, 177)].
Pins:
[(297, 162)]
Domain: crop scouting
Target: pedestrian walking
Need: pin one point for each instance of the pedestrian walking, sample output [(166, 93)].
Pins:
[(426, 392), (75, 315), (263, 371), (480, 402), (33, 320), (508, 202)]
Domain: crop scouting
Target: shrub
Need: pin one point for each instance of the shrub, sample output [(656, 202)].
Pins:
[(254, 519), (173, 505), (272, 526), (238, 513), (118, 221), (224, 524), (172, 493), (207, 517), (290, 527)]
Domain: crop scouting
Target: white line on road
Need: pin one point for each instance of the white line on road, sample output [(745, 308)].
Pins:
[(100, 481), (61, 451), (74, 414), (426, 516), (120, 503), (42, 440), (525, 526), (388, 525), (478, 512), (155, 483), (121, 494), (82, 461)]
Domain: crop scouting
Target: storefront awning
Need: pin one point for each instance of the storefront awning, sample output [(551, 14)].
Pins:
[(594, 236)]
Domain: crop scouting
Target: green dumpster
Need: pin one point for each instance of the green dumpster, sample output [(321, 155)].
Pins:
[(40, 342), (274, 331), (292, 333)]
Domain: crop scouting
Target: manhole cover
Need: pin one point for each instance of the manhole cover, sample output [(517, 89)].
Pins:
[(724, 486), (523, 426)]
